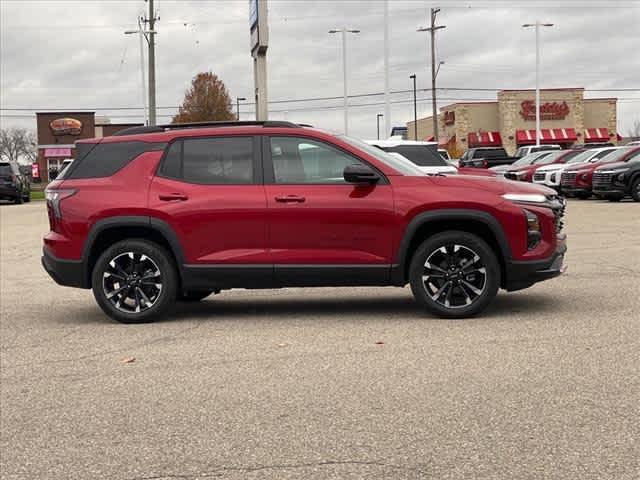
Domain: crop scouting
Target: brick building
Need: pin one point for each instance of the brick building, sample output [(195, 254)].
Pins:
[(58, 131), (566, 117)]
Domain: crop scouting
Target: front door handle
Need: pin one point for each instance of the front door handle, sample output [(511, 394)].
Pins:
[(172, 197), (290, 199)]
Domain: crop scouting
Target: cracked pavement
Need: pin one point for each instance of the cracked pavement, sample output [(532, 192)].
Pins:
[(344, 383)]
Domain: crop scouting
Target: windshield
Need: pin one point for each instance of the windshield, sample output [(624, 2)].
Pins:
[(582, 157), (528, 159), (550, 157), (405, 167), (5, 169), (614, 156)]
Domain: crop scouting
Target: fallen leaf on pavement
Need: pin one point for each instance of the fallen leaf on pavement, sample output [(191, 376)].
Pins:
[(128, 360)]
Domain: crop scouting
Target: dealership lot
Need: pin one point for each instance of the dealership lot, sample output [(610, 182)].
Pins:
[(327, 383)]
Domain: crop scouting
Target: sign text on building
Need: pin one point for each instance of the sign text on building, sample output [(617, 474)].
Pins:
[(66, 126), (548, 111)]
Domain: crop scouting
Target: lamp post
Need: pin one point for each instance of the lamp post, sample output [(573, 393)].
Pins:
[(415, 108), (344, 32), (141, 33), (537, 26), (238, 100), (378, 123)]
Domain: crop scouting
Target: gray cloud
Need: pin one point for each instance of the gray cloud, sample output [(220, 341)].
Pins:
[(69, 54)]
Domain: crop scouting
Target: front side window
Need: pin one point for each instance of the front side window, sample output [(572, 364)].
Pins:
[(300, 160), (210, 161)]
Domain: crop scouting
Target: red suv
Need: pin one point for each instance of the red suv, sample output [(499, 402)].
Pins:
[(157, 214)]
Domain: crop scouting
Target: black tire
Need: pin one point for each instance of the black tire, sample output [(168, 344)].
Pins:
[(583, 196), (140, 276), (194, 295), (635, 190), (18, 200), (485, 283), (614, 199), (27, 198)]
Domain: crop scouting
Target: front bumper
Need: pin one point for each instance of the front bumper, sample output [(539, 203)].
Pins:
[(524, 274), (575, 190), (610, 190), (69, 273)]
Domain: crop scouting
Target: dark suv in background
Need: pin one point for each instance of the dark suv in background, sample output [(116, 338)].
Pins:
[(158, 214), (14, 186), (614, 181)]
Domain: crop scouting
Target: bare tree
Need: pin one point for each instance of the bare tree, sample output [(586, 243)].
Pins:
[(634, 132), (17, 143)]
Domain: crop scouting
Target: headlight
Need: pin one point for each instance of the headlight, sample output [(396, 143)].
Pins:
[(534, 235), (554, 177), (525, 197), (620, 177)]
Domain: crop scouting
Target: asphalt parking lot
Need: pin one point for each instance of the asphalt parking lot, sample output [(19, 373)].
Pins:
[(327, 383)]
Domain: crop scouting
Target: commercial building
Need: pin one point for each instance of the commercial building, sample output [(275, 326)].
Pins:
[(566, 118), (58, 131)]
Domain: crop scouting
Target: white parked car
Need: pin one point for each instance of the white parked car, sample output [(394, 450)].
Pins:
[(521, 162), (424, 155), (549, 175), (524, 151)]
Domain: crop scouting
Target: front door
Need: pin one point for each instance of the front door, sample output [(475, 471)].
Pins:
[(323, 230), (210, 191)]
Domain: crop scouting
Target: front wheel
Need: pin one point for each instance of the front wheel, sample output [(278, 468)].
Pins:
[(454, 274), (134, 281)]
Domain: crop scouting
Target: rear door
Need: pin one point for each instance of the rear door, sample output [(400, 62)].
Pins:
[(210, 191), (323, 230)]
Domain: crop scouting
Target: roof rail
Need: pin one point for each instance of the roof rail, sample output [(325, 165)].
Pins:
[(180, 126)]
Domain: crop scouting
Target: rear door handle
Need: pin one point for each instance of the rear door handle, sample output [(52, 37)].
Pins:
[(290, 199), (172, 197)]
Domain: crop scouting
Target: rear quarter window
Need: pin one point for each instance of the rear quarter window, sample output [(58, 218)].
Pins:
[(105, 159)]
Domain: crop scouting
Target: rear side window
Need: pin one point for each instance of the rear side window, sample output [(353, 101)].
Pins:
[(5, 169), (105, 159), (211, 161)]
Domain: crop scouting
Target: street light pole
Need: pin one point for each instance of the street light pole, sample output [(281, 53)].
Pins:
[(140, 33), (238, 100), (378, 123), (387, 99), (415, 108), (152, 63), (344, 32), (537, 26), (432, 30)]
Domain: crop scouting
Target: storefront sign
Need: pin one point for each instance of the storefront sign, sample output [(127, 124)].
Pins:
[(449, 118), (62, 152), (66, 126), (548, 111), (35, 170)]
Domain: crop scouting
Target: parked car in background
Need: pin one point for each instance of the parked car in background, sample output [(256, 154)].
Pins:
[(520, 163), (576, 179), (485, 157), (634, 143), (619, 179), (550, 175), (526, 173), (425, 155), (290, 206), (524, 151), (14, 185), (401, 132)]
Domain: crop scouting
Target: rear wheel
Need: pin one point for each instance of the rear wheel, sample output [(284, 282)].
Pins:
[(635, 190), (134, 281), (614, 199), (583, 196), (18, 199), (454, 274)]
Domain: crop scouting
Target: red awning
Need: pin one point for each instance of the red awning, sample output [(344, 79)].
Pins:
[(484, 139), (547, 135), (596, 135)]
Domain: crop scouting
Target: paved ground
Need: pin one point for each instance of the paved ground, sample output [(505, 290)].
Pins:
[(293, 384)]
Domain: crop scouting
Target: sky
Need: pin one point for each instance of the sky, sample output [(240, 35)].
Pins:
[(73, 55)]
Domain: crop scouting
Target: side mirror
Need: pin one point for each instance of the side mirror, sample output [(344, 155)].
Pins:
[(360, 174)]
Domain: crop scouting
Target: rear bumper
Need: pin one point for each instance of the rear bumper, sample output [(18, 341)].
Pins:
[(69, 273), (524, 274)]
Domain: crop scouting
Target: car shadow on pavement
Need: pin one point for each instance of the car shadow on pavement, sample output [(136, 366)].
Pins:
[(282, 307)]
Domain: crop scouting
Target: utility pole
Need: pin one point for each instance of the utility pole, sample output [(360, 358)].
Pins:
[(238, 100), (432, 30), (151, 39), (387, 100), (537, 26), (378, 123), (140, 33), (344, 32), (415, 108)]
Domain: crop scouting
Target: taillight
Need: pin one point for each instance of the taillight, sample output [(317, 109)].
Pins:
[(54, 197)]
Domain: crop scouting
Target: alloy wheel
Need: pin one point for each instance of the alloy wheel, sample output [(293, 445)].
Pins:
[(454, 276), (132, 282)]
